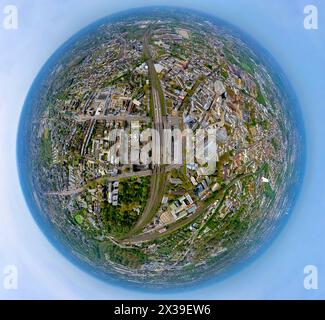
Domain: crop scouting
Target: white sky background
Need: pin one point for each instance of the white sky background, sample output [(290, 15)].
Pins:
[(278, 26)]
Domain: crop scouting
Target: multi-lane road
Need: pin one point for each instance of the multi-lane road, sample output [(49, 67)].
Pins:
[(109, 178), (158, 111), (111, 117), (154, 234)]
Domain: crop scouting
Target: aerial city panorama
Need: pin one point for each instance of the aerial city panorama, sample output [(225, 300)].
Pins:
[(158, 147)]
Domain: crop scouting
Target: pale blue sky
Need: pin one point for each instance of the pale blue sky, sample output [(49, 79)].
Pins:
[(278, 26)]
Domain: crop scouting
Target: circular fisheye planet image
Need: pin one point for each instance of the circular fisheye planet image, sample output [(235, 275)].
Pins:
[(114, 200)]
